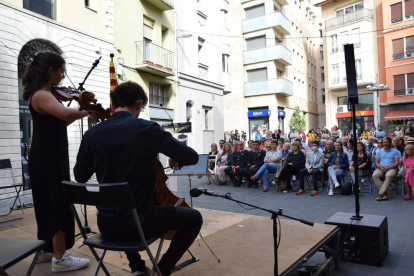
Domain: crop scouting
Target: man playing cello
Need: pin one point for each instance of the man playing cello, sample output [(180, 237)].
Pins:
[(124, 148)]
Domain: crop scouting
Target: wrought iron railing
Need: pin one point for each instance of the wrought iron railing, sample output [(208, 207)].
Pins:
[(349, 18), (154, 55), (403, 55), (404, 92), (157, 100), (396, 19), (335, 79)]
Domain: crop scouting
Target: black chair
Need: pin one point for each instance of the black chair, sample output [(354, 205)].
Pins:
[(5, 164), (109, 195), (13, 251)]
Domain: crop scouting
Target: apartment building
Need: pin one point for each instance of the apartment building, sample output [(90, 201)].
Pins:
[(395, 25), (81, 31), (203, 50), (273, 64), (349, 22)]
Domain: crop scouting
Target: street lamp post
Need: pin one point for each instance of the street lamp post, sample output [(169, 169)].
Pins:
[(378, 88)]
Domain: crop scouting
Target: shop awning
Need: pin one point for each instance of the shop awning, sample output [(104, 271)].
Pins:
[(399, 115)]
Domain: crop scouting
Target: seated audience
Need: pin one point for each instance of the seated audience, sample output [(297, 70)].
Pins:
[(319, 139), (344, 141), (269, 136), (408, 161), (337, 165), (349, 150), (236, 146), (267, 147), (370, 147), (212, 159), (223, 162), (237, 165), (323, 145), (409, 141), (335, 132), (262, 143), (314, 166), (249, 145), (397, 146), (280, 144), (346, 134), (271, 161), (387, 161), (221, 144), (401, 133), (254, 161), (295, 162), (285, 151), (363, 161), (308, 147), (275, 135)]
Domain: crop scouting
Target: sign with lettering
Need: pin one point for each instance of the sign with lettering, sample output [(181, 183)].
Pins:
[(260, 113), (281, 113)]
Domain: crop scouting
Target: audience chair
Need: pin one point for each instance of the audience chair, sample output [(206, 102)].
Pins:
[(5, 165), (309, 182), (109, 195), (13, 251)]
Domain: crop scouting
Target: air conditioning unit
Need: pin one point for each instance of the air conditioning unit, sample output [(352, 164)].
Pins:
[(410, 91), (342, 109)]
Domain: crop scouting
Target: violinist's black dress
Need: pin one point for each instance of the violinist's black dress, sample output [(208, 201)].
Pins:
[(48, 167)]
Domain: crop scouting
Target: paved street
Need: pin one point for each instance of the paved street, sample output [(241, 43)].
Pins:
[(399, 260)]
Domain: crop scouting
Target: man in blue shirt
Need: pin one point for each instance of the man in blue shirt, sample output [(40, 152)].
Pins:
[(386, 161), (182, 138), (370, 146), (380, 133)]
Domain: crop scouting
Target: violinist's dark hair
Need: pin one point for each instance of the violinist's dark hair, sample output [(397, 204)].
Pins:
[(37, 74), (127, 93)]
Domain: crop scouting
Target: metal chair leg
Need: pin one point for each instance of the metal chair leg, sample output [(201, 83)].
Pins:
[(98, 259), (12, 207), (100, 263), (29, 272), (158, 255)]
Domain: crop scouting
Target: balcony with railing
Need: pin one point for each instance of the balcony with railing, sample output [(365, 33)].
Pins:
[(404, 92), (335, 79), (276, 52), (154, 59), (397, 19), (358, 15), (271, 20), (275, 86), (164, 5), (403, 55)]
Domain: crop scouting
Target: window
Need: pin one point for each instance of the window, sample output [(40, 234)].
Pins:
[(201, 51), (334, 39), (409, 9), (321, 51), (396, 13), (403, 48), (314, 72), (365, 102), (343, 73), (350, 9), (354, 37), (343, 39), (42, 7), (309, 69), (404, 84), (206, 113), (335, 71), (225, 61), (322, 73), (358, 69), (157, 95), (323, 95), (257, 75), (278, 73), (255, 11), (320, 33), (256, 42), (223, 19)]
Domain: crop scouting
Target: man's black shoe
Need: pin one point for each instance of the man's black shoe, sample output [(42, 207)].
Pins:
[(256, 186), (249, 185)]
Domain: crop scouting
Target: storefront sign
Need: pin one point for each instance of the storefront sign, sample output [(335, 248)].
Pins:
[(260, 113), (358, 113), (281, 113)]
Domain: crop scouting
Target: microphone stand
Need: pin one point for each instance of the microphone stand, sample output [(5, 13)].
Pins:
[(275, 215), (86, 228)]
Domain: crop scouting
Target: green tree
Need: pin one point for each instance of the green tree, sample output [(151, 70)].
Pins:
[(298, 119)]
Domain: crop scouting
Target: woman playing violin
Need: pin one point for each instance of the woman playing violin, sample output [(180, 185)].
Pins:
[(49, 160)]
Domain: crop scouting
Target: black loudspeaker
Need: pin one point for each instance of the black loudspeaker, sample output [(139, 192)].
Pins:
[(367, 239), (351, 80)]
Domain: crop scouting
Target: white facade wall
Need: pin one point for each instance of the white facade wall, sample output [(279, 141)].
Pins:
[(19, 26), (201, 87)]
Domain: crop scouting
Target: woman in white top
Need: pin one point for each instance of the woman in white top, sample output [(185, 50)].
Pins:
[(271, 161), (223, 162)]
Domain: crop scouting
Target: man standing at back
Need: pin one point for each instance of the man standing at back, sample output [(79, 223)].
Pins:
[(380, 134), (124, 148)]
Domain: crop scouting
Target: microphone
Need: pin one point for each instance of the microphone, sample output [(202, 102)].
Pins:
[(172, 121), (196, 192)]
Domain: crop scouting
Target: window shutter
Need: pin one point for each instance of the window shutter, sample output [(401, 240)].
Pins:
[(409, 44), (396, 11), (256, 42), (147, 32), (409, 7), (399, 82), (410, 80), (255, 11), (257, 75), (398, 46)]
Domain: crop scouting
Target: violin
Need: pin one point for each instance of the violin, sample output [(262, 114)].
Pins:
[(85, 99), (164, 196)]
